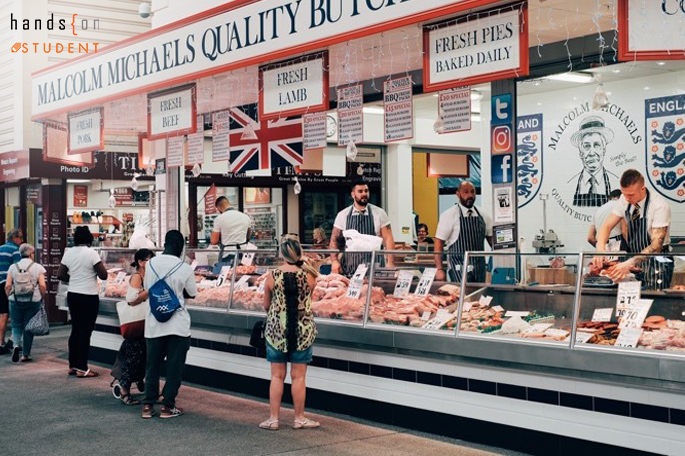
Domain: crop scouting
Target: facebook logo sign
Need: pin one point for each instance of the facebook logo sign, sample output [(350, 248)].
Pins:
[(502, 172), (502, 111)]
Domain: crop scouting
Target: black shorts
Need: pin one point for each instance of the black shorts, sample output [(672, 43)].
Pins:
[(4, 302)]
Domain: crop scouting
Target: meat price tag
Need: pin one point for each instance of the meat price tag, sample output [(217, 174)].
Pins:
[(485, 301), (248, 258), (498, 309), (260, 289), (514, 313), (560, 333), (538, 328), (628, 337), (354, 291), (442, 317), (403, 283), (119, 279), (426, 315), (628, 294), (467, 306), (225, 271), (635, 315), (242, 284), (602, 314), (582, 337), (426, 282)]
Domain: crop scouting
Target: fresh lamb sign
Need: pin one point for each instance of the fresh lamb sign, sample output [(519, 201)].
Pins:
[(476, 49), (235, 35)]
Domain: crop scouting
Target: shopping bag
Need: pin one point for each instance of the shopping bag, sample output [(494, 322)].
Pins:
[(131, 320), (38, 324)]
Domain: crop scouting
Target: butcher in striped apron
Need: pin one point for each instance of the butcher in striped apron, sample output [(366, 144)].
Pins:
[(655, 275), (364, 224), (472, 233)]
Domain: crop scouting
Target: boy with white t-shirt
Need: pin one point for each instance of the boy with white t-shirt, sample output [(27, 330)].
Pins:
[(170, 339)]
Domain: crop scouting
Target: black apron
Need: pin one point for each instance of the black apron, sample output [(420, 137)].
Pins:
[(471, 238), (364, 224), (592, 199), (654, 275)]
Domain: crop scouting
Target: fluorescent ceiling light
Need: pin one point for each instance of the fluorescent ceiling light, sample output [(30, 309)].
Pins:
[(572, 77), (78, 181), (373, 110)]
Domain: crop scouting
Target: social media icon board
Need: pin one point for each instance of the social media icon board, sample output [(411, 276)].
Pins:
[(502, 169), (502, 112), (502, 139)]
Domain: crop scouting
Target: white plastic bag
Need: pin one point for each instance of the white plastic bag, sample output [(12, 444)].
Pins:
[(357, 242)]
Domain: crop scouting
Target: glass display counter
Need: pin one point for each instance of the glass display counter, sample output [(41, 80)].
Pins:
[(644, 312)]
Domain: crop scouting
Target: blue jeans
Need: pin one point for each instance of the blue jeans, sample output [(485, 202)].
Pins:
[(20, 315)]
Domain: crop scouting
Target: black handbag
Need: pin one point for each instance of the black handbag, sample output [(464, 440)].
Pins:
[(257, 339)]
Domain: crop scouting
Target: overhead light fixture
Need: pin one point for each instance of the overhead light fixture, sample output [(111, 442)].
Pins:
[(616, 70), (661, 63), (78, 181), (646, 87), (373, 110), (577, 78)]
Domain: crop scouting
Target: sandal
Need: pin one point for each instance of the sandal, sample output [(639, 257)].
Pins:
[(269, 425), (306, 424), (86, 374), (148, 411), (72, 371), (126, 399)]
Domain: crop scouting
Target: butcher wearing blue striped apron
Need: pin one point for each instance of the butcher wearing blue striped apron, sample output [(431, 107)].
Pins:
[(362, 222), (655, 275), (472, 233)]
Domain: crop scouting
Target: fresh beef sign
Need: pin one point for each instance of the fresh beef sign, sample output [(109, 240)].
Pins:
[(235, 35)]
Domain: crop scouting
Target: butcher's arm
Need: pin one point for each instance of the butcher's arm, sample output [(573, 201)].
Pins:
[(658, 236), (437, 249), (333, 245), (216, 236), (592, 236), (389, 244), (603, 238)]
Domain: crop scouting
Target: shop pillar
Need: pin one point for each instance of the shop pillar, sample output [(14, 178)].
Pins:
[(54, 240), (398, 191)]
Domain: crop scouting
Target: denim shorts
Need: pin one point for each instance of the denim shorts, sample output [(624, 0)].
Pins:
[(297, 357)]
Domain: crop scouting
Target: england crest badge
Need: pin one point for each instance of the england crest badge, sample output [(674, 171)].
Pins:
[(528, 157), (665, 145)]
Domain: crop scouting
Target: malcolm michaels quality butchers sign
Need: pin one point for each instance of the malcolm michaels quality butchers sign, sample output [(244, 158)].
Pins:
[(476, 48)]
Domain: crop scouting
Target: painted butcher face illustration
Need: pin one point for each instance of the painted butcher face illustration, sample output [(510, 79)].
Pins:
[(592, 150)]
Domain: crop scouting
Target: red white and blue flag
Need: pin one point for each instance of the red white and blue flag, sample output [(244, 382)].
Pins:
[(264, 145)]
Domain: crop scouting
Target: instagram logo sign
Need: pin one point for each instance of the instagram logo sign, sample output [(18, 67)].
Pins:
[(501, 139)]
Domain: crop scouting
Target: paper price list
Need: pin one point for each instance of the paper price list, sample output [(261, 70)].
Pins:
[(350, 115), (399, 109), (454, 107), (314, 131)]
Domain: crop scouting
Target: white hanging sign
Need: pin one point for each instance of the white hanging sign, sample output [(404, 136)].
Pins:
[(86, 132), (651, 29), (221, 149), (398, 103), (174, 152), (474, 49), (454, 110), (314, 131), (196, 144), (294, 87), (171, 113), (350, 115)]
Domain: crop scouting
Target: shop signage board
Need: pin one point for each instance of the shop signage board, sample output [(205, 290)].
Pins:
[(80, 196), (34, 194), (174, 151), (476, 48), (294, 87), (651, 29), (314, 131), (15, 165), (221, 150), (118, 166), (56, 149), (86, 131), (350, 115), (503, 171), (172, 113), (196, 144), (398, 112), (123, 196), (235, 35), (504, 205), (210, 201), (454, 110)]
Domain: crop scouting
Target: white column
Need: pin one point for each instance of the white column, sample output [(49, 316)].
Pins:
[(399, 191)]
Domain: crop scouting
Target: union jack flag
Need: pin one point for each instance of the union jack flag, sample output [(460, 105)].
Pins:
[(259, 145)]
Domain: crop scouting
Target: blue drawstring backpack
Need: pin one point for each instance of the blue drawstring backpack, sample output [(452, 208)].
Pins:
[(163, 300)]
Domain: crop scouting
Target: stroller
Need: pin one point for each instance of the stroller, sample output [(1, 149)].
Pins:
[(135, 365)]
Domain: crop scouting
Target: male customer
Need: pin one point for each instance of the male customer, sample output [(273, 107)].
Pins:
[(231, 229), (170, 339), (9, 254)]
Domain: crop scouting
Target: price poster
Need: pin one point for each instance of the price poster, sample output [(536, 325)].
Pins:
[(357, 282), (220, 137), (403, 283), (628, 337), (454, 108), (628, 295), (426, 282), (350, 115), (196, 144), (314, 131), (174, 151), (635, 316), (398, 101)]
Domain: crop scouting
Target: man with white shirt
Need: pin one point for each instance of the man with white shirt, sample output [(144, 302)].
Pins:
[(462, 228), (598, 219), (231, 229), (169, 339), (648, 218)]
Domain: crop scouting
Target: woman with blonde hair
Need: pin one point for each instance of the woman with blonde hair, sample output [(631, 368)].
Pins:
[(290, 329)]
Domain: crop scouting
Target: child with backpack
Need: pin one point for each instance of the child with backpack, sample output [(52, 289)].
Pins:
[(167, 325), (25, 288)]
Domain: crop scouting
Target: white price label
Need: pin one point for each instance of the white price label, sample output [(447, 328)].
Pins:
[(119, 279), (467, 306), (601, 315), (426, 315), (426, 282), (223, 275), (538, 328), (498, 309), (485, 301), (515, 313), (628, 294), (636, 314), (628, 337), (582, 337), (248, 258), (559, 333), (403, 283), (354, 291), (260, 289), (242, 284)]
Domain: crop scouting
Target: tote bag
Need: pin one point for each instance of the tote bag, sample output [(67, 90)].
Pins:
[(38, 324), (131, 320)]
